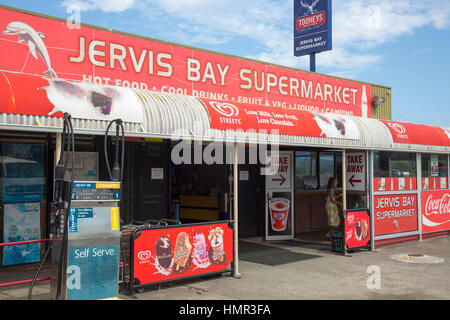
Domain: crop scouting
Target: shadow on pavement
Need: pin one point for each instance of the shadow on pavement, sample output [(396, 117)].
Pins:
[(269, 255)]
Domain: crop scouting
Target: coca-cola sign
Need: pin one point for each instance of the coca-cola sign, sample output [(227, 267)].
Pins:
[(435, 210)]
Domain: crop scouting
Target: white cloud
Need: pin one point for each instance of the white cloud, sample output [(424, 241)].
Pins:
[(103, 5), (265, 26), (367, 24), (359, 27)]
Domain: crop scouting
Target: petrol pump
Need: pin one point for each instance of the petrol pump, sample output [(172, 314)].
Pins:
[(85, 229)]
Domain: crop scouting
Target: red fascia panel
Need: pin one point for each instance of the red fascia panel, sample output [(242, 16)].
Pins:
[(436, 234), (413, 133), (389, 242)]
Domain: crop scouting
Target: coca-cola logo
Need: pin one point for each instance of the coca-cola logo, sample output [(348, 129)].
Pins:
[(397, 127), (437, 206)]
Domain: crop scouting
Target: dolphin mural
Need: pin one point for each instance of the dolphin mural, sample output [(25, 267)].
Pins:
[(34, 41)]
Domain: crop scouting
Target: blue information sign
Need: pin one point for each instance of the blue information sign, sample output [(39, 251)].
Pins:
[(312, 26)]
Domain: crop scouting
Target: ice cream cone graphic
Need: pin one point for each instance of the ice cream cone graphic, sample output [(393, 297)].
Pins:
[(217, 252)]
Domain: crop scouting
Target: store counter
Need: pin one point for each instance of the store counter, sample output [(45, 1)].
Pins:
[(202, 208)]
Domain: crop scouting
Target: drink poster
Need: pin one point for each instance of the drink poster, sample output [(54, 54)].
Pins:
[(21, 223), (279, 214), (434, 165), (435, 210), (279, 196)]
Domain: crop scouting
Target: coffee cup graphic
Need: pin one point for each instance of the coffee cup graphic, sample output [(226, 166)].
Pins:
[(382, 184), (279, 213), (401, 183), (426, 184)]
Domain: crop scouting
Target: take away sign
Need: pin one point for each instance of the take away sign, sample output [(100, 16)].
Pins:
[(356, 171), (279, 173)]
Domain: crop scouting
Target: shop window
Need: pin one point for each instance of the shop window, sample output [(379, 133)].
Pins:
[(394, 164), (23, 193), (395, 171), (338, 174), (327, 170), (313, 169), (306, 170), (434, 171)]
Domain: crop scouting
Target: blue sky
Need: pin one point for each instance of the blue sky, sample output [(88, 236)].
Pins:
[(403, 44)]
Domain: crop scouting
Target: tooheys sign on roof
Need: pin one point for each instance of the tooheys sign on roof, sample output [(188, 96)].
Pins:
[(312, 26), (52, 48)]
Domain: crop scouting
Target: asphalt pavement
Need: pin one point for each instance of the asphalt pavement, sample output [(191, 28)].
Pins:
[(300, 270)]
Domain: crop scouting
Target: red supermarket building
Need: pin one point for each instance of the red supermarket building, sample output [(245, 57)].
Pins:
[(197, 124)]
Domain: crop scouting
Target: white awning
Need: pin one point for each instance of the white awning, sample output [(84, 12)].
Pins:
[(177, 117)]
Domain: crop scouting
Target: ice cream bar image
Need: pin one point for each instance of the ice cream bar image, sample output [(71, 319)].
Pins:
[(182, 249), (340, 126), (101, 101), (216, 240), (365, 229), (163, 250), (200, 253), (358, 230)]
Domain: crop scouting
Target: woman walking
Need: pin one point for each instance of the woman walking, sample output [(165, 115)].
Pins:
[(331, 206)]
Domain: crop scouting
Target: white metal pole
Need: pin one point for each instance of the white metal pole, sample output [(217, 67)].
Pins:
[(344, 180), (372, 204), (419, 193), (236, 273), (344, 195)]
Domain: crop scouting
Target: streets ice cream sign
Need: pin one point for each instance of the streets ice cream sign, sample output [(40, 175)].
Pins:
[(264, 119), (45, 47), (418, 133), (163, 254)]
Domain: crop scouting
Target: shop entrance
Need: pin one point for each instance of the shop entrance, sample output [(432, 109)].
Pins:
[(312, 172), (313, 168), (203, 192), (251, 201), (145, 183), (199, 191)]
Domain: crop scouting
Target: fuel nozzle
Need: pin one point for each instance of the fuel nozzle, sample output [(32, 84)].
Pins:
[(117, 170)]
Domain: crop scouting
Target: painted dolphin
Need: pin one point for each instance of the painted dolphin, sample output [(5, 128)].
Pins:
[(34, 41)]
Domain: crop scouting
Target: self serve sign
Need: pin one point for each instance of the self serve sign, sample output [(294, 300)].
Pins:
[(356, 171)]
